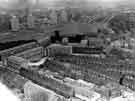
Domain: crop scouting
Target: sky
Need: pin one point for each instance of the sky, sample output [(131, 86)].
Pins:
[(9, 1), (111, 0), (15, 4), (53, 1)]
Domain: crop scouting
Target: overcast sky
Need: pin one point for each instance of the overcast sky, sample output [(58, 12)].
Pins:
[(14, 3)]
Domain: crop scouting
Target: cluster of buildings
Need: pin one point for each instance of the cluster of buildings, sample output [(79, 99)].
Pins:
[(32, 20), (85, 91), (74, 63), (62, 80)]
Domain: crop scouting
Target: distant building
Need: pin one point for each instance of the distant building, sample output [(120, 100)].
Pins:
[(31, 21), (64, 16), (15, 26), (32, 54), (14, 63), (132, 43), (73, 29), (95, 42), (84, 42), (65, 40), (57, 49), (53, 17)]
